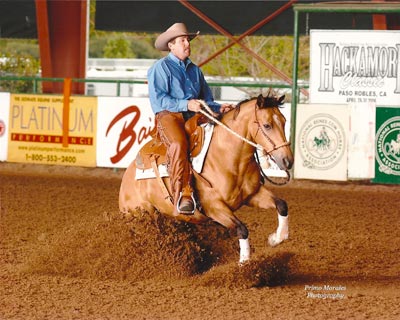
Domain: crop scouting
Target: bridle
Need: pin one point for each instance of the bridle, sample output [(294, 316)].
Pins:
[(266, 136), (274, 147), (213, 117)]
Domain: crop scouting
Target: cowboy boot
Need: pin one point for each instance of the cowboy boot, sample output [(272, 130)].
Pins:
[(183, 200), (186, 204)]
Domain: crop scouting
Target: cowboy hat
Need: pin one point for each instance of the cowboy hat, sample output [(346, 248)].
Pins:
[(176, 30)]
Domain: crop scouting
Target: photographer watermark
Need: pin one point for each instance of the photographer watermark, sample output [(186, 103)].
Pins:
[(325, 292)]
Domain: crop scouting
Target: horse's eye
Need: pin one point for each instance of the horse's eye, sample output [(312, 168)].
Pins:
[(268, 126)]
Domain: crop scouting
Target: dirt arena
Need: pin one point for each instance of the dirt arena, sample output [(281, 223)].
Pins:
[(65, 253)]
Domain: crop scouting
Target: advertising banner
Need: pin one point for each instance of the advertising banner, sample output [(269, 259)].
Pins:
[(387, 145), (36, 130), (321, 142), (4, 115), (355, 66), (124, 126), (361, 153)]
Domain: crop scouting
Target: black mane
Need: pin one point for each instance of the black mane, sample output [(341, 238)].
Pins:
[(262, 102)]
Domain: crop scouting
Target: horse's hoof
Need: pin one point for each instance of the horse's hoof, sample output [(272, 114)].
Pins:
[(243, 263), (273, 239)]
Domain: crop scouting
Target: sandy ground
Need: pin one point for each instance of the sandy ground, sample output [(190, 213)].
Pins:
[(65, 253)]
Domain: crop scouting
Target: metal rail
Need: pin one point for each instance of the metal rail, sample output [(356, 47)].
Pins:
[(36, 80)]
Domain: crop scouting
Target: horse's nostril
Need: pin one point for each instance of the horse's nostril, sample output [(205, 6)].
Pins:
[(287, 163)]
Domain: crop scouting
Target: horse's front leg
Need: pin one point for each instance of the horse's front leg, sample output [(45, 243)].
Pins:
[(222, 214), (265, 199)]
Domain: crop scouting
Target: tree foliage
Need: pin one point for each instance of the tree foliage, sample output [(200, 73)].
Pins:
[(21, 65), (236, 61), (118, 47)]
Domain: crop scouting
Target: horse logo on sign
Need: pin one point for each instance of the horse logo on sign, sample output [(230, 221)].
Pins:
[(388, 146), (322, 142)]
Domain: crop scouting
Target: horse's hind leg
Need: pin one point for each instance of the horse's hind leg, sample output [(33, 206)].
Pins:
[(133, 193), (266, 200)]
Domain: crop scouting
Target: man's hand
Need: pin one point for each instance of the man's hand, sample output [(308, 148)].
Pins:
[(226, 107), (194, 105)]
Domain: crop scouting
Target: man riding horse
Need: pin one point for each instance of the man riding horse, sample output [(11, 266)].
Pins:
[(175, 85)]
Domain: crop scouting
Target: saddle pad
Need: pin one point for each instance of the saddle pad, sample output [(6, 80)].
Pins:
[(149, 173), (197, 162)]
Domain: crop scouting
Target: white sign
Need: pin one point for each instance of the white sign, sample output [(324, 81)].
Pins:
[(361, 149), (355, 66), (4, 118), (123, 127), (321, 142)]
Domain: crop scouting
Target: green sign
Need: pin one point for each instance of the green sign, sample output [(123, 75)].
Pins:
[(387, 145)]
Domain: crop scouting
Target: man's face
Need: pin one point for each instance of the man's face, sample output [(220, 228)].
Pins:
[(180, 47)]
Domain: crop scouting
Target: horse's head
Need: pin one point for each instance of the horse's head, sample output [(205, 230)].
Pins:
[(268, 130)]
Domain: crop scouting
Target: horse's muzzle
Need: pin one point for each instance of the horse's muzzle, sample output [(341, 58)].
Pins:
[(285, 162), (288, 163)]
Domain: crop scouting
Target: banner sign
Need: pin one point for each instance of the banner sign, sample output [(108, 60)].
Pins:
[(124, 126), (361, 153), (355, 66), (4, 115), (36, 130), (387, 145), (321, 142)]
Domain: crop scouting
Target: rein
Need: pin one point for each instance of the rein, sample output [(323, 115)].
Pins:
[(212, 116)]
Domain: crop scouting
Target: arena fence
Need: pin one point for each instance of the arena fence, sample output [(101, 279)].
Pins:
[(36, 81)]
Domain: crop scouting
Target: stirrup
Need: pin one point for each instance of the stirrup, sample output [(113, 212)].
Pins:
[(186, 212)]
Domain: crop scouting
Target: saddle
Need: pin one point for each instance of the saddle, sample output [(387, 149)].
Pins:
[(153, 153)]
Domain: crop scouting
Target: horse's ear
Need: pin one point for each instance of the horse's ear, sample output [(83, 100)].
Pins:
[(281, 99), (260, 101)]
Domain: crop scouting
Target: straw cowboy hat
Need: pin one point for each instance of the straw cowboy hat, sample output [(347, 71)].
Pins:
[(176, 30)]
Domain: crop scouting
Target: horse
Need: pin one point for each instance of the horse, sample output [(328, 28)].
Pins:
[(230, 177)]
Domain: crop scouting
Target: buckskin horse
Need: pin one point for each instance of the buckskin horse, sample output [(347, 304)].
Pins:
[(230, 177)]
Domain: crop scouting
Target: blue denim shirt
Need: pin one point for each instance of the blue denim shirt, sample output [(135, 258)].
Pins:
[(172, 83)]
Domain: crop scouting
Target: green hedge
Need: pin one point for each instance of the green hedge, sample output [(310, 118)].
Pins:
[(21, 57)]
